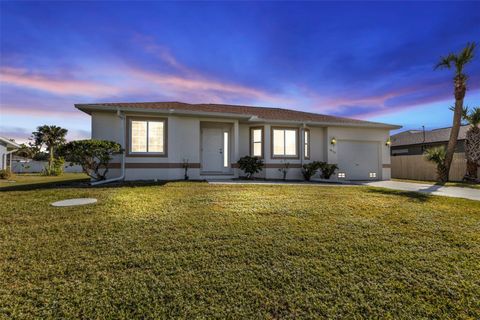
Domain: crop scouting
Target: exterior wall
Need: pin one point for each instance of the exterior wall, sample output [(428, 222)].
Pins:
[(272, 165), (184, 142), (362, 134)]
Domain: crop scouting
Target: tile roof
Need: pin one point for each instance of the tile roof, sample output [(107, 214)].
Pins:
[(260, 112), (416, 136)]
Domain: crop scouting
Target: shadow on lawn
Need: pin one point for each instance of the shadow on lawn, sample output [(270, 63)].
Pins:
[(84, 183), (411, 195)]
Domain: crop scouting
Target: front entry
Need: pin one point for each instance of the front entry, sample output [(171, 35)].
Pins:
[(215, 150)]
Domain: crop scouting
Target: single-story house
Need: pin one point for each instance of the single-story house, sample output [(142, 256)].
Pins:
[(160, 137), (415, 142), (7, 147)]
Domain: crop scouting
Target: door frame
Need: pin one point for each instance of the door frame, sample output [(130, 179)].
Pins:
[(226, 127)]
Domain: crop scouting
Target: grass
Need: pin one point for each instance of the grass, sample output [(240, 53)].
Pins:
[(193, 250), (446, 184), (35, 180)]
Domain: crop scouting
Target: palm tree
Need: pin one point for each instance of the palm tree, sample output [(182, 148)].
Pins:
[(51, 137), (457, 61), (437, 156), (472, 142)]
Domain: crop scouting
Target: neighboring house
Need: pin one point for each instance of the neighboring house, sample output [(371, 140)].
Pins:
[(407, 153), (415, 142), (160, 136), (7, 147)]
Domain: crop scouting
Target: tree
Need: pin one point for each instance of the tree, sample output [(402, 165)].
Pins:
[(93, 155), (472, 142), (51, 137), (437, 155), (458, 62), (26, 151)]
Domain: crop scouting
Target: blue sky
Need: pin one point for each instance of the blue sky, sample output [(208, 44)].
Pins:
[(367, 60)]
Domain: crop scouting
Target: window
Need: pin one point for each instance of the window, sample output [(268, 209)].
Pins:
[(225, 149), (147, 136), (341, 174), (256, 142), (306, 144), (284, 142), (372, 174)]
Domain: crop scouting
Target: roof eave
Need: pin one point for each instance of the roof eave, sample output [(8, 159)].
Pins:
[(88, 108)]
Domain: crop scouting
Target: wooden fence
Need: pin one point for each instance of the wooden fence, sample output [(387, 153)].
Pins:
[(415, 167)]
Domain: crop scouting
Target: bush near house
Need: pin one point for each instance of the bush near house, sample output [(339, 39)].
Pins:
[(327, 170), (309, 169), (250, 165)]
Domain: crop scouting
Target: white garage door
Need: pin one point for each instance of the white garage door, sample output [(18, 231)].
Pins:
[(358, 159)]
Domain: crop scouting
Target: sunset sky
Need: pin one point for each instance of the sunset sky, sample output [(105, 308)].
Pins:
[(370, 60)]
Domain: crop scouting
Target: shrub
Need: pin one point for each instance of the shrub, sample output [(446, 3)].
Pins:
[(93, 155), (56, 169), (250, 165), (437, 155), (5, 174), (309, 169), (327, 170)]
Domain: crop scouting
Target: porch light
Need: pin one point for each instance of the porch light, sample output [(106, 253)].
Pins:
[(388, 143), (333, 141)]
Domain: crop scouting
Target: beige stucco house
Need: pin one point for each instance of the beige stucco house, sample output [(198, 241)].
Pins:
[(159, 137)]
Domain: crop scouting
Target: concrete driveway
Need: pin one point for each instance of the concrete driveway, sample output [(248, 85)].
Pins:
[(456, 192)]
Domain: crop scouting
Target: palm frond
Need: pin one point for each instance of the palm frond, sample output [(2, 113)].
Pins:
[(446, 62), (464, 57), (474, 117), (436, 155)]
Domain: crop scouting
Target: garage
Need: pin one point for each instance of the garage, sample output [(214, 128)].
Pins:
[(359, 160)]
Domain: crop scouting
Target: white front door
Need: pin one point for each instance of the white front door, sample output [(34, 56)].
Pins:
[(212, 150)]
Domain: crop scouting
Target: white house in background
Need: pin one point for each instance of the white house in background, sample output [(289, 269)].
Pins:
[(159, 136), (7, 147)]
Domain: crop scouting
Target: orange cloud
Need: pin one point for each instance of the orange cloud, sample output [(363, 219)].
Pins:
[(24, 78)]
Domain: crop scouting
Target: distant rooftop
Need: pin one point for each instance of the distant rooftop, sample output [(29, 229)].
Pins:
[(416, 136)]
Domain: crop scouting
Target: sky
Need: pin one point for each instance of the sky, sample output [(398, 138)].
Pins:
[(365, 60)]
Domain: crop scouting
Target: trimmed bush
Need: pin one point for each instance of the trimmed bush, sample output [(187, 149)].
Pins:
[(309, 169), (250, 165), (327, 170)]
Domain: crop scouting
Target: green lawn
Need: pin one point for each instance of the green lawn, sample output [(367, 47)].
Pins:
[(446, 184), (193, 250), (37, 180)]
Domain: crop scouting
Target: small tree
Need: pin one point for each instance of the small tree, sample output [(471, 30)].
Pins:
[(250, 165), (93, 155), (327, 170), (50, 136), (437, 156)]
